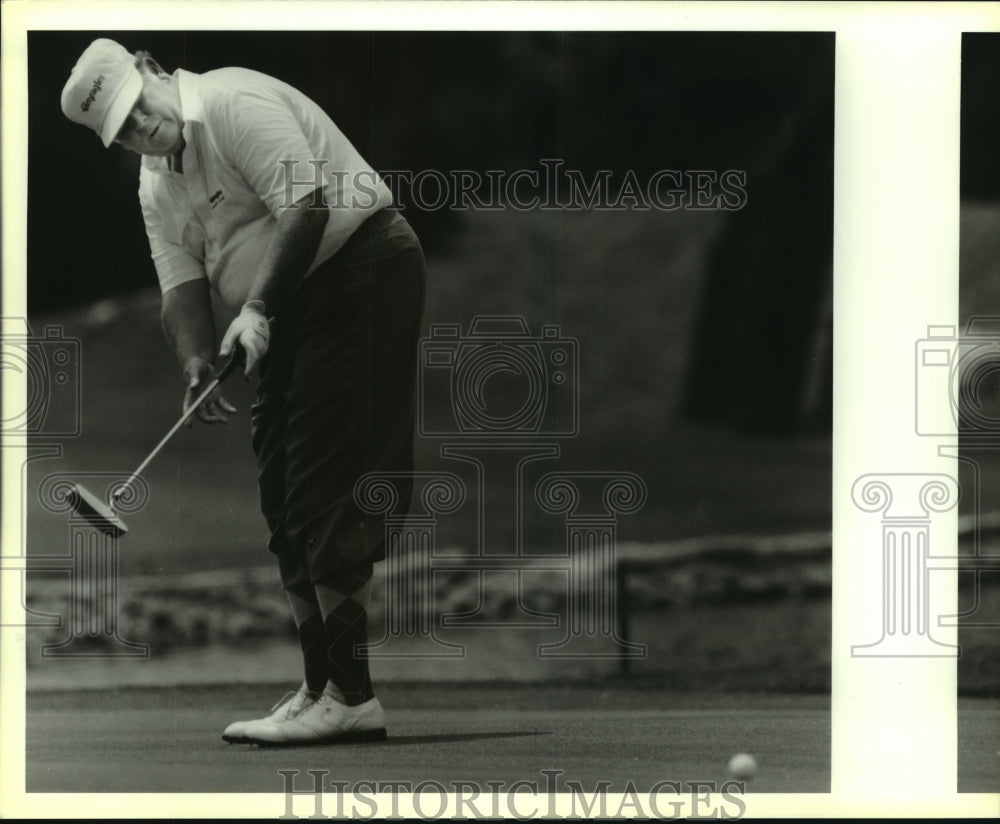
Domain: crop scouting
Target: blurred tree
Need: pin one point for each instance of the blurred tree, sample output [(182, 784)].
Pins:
[(762, 355)]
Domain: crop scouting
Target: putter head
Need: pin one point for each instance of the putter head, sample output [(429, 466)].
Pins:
[(97, 513)]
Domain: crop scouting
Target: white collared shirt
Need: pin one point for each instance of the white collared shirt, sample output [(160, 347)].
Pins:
[(253, 146)]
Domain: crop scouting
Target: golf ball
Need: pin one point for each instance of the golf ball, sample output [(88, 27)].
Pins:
[(742, 766)]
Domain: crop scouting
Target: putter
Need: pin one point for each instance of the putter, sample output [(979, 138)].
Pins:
[(93, 510)]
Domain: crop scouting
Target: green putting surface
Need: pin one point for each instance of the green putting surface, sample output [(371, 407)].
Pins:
[(168, 740)]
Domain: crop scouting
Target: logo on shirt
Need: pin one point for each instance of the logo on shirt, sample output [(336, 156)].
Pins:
[(216, 198), (85, 105)]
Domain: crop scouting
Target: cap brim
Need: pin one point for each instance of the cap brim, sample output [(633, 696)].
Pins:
[(121, 105)]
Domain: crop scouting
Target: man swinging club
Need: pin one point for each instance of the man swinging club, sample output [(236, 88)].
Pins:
[(329, 289)]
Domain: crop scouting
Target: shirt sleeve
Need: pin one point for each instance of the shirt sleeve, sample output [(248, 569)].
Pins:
[(174, 264), (265, 142)]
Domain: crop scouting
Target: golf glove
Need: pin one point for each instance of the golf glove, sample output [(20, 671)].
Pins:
[(251, 330)]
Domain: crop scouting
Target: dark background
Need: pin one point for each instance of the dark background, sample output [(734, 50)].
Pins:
[(980, 115)]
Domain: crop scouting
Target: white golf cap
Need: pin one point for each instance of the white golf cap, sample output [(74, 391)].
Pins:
[(102, 88)]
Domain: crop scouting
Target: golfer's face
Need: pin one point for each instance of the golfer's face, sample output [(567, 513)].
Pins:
[(153, 126)]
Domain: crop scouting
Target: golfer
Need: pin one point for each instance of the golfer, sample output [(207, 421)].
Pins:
[(249, 190)]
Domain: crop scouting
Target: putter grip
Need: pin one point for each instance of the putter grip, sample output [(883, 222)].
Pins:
[(236, 360)]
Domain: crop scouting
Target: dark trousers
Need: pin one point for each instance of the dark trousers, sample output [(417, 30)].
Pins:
[(337, 399)]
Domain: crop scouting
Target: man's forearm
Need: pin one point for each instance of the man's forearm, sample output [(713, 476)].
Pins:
[(292, 251), (186, 314), (187, 319)]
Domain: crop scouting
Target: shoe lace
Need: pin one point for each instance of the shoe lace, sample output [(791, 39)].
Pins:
[(284, 699)]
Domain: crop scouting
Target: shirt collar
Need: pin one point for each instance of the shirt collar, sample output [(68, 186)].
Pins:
[(192, 103)]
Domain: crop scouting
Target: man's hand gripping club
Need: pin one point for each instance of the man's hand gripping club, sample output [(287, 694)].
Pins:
[(199, 376), (251, 330), (246, 341)]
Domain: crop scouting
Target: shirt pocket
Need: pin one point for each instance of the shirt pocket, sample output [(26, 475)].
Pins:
[(193, 240), (172, 224), (183, 230)]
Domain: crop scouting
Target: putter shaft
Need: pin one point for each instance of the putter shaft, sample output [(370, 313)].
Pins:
[(238, 358)]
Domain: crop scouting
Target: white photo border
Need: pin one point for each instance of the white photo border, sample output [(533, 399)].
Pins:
[(896, 272)]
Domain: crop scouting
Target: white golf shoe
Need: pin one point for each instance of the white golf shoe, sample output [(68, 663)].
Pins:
[(323, 721), (290, 705)]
